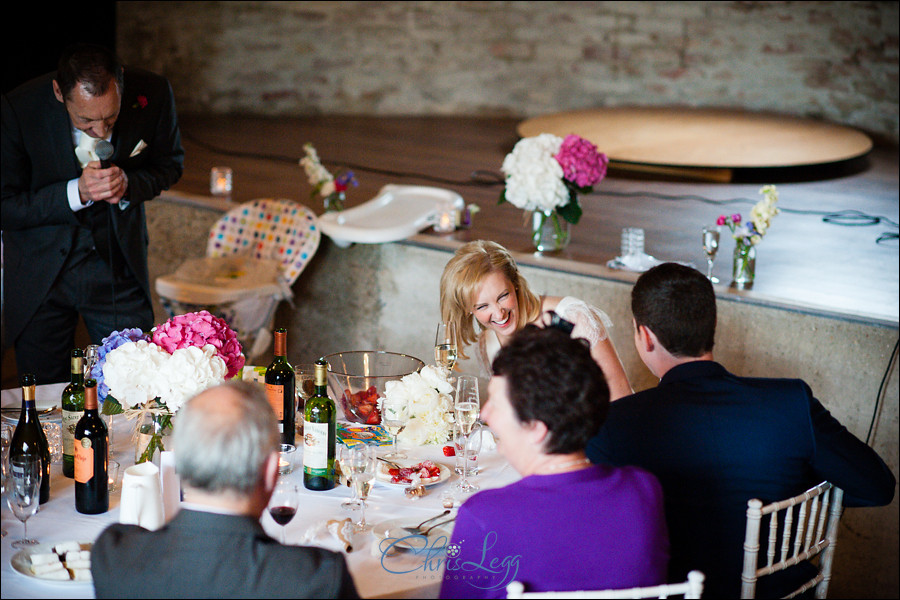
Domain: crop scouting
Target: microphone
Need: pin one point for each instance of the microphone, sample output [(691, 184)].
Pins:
[(104, 151)]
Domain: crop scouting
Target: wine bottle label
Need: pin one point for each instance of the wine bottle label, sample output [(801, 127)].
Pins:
[(84, 460), (275, 396), (315, 445), (69, 421)]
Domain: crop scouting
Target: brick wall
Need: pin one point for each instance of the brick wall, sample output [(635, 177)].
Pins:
[(836, 61)]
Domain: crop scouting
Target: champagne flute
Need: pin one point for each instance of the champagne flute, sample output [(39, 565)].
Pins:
[(445, 349), (711, 246), (361, 461), (24, 493), (283, 504), (394, 416), (466, 408), (344, 459)]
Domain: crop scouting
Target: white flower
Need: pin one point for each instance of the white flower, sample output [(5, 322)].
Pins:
[(190, 371), (134, 373), (534, 178), (428, 396)]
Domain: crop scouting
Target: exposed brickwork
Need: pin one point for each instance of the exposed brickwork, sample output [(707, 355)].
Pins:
[(832, 60)]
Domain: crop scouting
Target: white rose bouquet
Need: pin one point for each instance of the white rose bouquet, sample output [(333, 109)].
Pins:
[(429, 396)]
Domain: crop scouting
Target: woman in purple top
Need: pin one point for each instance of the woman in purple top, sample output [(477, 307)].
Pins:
[(566, 525)]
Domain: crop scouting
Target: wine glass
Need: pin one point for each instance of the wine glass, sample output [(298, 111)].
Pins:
[(305, 379), (711, 246), (445, 349), (24, 493), (394, 416), (7, 438), (283, 504), (466, 408), (358, 463), (344, 453)]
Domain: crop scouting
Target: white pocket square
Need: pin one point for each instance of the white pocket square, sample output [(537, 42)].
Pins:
[(138, 149)]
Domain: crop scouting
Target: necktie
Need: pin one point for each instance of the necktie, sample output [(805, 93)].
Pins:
[(84, 151)]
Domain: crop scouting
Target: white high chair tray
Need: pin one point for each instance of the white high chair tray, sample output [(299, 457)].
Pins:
[(397, 212)]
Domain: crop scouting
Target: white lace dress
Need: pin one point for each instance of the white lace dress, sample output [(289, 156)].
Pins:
[(591, 323)]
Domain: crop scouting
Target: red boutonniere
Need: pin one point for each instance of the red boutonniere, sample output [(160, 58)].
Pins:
[(141, 102)]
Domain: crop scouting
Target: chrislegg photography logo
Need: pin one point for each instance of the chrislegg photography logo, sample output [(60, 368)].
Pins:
[(473, 562)]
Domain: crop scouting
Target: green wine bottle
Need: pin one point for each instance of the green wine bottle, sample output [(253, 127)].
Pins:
[(319, 434), (72, 409), (280, 390)]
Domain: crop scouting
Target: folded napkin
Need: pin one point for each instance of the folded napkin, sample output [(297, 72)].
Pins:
[(488, 443), (335, 535)]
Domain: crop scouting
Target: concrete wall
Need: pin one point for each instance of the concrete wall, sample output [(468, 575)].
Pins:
[(386, 297), (831, 60)]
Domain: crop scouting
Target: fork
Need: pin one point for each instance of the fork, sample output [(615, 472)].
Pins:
[(418, 528), (392, 465)]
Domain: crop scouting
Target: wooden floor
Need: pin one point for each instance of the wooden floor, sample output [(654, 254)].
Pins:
[(804, 263)]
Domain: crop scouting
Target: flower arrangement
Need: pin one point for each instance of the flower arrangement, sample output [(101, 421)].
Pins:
[(331, 188), (761, 214), (429, 395), (153, 375)]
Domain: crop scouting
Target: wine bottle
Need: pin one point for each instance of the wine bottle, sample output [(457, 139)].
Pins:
[(72, 409), (319, 434), (91, 457), (280, 390), (29, 436)]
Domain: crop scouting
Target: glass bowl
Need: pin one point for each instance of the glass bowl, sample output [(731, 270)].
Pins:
[(356, 380)]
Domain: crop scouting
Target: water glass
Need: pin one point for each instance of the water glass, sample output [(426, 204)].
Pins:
[(24, 491), (113, 475), (305, 379), (632, 241)]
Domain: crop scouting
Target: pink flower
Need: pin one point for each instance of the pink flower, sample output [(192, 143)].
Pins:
[(736, 218), (581, 163), (720, 220), (142, 101), (197, 330)]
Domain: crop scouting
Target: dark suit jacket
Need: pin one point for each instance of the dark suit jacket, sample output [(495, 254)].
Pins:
[(206, 555), (38, 159), (715, 441)]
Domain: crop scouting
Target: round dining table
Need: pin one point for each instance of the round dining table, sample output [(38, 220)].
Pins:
[(380, 567)]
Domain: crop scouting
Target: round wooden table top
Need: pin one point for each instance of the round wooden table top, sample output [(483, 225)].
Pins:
[(706, 138)]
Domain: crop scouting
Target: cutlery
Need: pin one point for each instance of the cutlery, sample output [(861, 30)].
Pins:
[(418, 528), (392, 465), (17, 410), (450, 520)]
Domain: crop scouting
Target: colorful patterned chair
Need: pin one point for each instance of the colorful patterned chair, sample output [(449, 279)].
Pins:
[(254, 254)]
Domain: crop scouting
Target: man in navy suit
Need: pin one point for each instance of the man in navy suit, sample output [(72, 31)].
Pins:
[(226, 454), (74, 229), (716, 440)]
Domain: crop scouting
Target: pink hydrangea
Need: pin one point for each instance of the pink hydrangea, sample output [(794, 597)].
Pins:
[(198, 329), (582, 164)]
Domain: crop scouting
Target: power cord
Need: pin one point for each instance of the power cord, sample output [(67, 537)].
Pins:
[(881, 388)]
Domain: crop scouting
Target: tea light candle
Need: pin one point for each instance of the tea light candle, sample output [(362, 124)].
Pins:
[(446, 221), (220, 181), (286, 459)]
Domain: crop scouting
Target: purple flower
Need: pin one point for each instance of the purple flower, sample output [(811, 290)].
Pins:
[(736, 218)]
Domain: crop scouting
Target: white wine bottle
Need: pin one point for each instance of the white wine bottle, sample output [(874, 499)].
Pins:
[(91, 457), (319, 434), (72, 410), (29, 436), (280, 388)]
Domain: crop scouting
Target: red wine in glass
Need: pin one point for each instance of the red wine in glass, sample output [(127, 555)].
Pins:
[(283, 504), (282, 514)]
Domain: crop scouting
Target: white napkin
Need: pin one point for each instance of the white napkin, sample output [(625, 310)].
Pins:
[(488, 443), (142, 502), (335, 535)]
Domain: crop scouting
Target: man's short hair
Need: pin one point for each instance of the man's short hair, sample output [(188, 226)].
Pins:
[(552, 377), (678, 304), (226, 450), (92, 66)]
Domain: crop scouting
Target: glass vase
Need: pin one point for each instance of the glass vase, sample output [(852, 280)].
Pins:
[(549, 231), (154, 434), (334, 202), (743, 267)]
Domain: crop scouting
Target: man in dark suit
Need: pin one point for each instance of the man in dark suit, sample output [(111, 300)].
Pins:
[(226, 453), (716, 440), (74, 228)]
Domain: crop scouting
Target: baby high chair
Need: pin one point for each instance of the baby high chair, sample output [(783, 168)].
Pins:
[(254, 254)]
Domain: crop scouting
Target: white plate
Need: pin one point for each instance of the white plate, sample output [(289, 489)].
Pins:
[(21, 562), (392, 531), (383, 476)]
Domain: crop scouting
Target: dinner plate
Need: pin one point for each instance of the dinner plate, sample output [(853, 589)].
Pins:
[(21, 562), (392, 531), (383, 476)]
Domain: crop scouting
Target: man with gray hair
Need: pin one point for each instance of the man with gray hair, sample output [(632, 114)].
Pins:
[(226, 453)]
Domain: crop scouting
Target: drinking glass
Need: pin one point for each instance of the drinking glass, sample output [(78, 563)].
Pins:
[(91, 355), (7, 438), (711, 246), (394, 416), (24, 493), (466, 408), (445, 350), (471, 448), (353, 503), (359, 463), (283, 504)]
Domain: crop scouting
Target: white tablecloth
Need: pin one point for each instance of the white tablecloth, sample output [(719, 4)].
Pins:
[(404, 575)]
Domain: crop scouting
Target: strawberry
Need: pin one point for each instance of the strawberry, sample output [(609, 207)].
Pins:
[(449, 451)]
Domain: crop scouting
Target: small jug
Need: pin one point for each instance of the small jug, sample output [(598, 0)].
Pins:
[(142, 501)]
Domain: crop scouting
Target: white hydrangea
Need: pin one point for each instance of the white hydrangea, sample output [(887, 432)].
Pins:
[(534, 179), (135, 373), (190, 371)]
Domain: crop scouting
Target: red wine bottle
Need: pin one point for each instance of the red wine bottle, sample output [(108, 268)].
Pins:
[(29, 436), (91, 457), (280, 390)]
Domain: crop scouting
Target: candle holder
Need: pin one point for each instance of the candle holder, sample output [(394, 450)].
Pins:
[(220, 181), (286, 459)]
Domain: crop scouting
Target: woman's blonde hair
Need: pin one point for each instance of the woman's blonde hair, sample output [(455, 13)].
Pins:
[(462, 277)]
